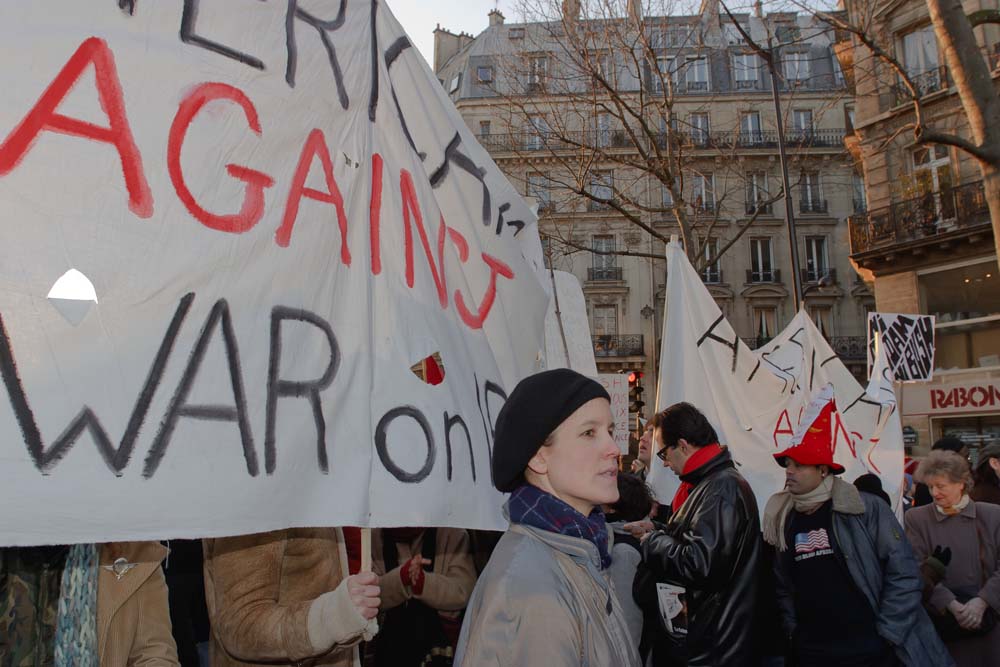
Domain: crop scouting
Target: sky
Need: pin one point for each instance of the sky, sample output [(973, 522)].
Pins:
[(420, 17)]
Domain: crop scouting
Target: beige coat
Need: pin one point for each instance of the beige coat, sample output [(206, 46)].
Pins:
[(447, 586), (133, 620), (259, 589)]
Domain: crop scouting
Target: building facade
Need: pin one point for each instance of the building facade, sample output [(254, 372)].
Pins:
[(926, 241), (552, 137)]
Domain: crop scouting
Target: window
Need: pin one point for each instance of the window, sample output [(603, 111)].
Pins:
[(602, 188), (838, 72), (821, 317), (812, 198), (746, 70), (787, 33), (750, 134), (606, 320), (757, 195), (547, 251), (603, 67), (538, 187), (802, 124), (733, 35), (536, 133), (711, 273), (920, 58), (667, 197), (664, 72), (858, 192), (817, 264), (696, 73), (703, 192), (700, 128), (603, 138), (672, 37), (484, 128), (537, 70), (605, 267), (484, 74), (515, 33), (796, 67), (765, 325), (455, 83), (761, 261), (932, 175)]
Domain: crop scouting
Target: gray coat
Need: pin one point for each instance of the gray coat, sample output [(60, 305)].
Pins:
[(928, 528), (543, 600), (880, 561)]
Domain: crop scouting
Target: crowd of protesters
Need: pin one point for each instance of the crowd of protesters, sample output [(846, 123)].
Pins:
[(592, 571)]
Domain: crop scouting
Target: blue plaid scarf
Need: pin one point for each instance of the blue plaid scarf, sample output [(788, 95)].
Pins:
[(76, 623), (533, 507)]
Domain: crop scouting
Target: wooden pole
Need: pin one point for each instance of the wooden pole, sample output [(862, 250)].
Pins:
[(366, 549)]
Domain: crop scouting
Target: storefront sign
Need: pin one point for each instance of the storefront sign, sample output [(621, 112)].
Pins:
[(977, 396)]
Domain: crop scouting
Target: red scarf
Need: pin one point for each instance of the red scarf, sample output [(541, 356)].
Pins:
[(697, 460)]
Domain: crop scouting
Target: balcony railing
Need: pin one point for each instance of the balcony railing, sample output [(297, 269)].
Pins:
[(757, 342), (851, 348), (815, 275), (711, 276), (920, 218), (597, 205), (622, 345), (548, 140), (772, 276), (604, 273), (761, 208), (812, 206), (927, 82)]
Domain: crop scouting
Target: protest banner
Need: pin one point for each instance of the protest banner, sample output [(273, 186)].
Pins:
[(617, 386), (279, 212), (908, 341), (755, 399)]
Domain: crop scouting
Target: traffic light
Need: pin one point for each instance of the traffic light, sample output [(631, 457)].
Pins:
[(635, 390)]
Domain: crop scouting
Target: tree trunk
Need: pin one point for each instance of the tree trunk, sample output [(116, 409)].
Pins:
[(975, 90)]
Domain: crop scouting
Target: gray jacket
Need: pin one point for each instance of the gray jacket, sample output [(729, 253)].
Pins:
[(871, 544), (543, 600)]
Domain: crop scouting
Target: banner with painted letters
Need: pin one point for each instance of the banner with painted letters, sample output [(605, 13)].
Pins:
[(908, 341), (756, 399), (229, 229)]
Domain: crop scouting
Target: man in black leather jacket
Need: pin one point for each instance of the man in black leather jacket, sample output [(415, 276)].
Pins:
[(710, 547)]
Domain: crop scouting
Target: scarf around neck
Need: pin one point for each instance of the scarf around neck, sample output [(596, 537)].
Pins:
[(76, 623), (954, 509), (781, 504), (533, 507), (695, 461)]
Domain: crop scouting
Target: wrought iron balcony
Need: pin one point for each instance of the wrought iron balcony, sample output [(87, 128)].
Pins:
[(711, 276), (757, 342), (849, 348), (926, 82), (604, 273), (812, 206), (923, 217), (759, 207), (772, 276), (621, 345), (808, 276)]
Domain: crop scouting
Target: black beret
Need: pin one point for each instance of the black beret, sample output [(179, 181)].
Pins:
[(536, 407)]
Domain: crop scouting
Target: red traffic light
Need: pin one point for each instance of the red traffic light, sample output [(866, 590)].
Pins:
[(632, 377)]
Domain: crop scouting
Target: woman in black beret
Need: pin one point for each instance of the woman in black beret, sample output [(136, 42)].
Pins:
[(546, 596)]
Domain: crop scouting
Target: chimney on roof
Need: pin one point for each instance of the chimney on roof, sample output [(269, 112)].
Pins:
[(635, 10), (447, 44), (758, 9), (496, 18), (570, 10)]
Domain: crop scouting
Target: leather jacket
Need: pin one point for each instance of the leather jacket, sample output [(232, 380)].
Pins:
[(712, 547)]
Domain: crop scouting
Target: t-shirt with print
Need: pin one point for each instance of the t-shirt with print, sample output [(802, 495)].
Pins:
[(835, 623)]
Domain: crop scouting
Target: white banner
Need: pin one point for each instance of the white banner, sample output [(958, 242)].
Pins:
[(908, 341), (617, 386), (280, 212), (755, 401)]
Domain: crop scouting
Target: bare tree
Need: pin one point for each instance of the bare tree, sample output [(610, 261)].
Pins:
[(593, 96), (968, 70)]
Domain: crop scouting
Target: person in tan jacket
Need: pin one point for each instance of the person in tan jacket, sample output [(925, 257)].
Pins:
[(128, 624), (426, 576), (285, 597)]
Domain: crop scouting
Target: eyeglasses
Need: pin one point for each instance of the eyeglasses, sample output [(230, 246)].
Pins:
[(661, 454)]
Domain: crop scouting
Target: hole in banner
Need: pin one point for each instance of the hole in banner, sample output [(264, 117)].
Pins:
[(430, 369)]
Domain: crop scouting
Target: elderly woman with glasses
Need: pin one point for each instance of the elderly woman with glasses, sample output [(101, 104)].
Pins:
[(964, 605)]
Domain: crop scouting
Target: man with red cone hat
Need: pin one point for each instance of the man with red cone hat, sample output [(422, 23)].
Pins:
[(848, 586)]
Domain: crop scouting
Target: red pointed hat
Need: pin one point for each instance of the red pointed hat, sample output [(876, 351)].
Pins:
[(812, 444)]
